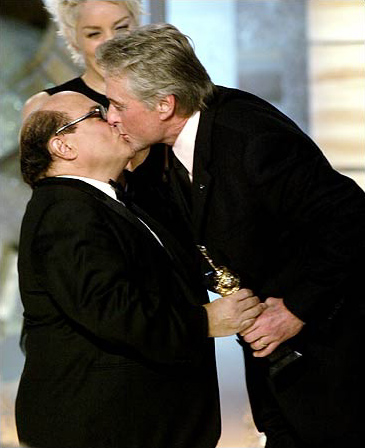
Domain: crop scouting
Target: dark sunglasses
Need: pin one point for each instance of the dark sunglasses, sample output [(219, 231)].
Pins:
[(98, 110)]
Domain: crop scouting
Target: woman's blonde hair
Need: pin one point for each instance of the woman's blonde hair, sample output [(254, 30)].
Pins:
[(65, 14)]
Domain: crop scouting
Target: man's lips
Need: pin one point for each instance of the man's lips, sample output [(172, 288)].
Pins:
[(124, 136)]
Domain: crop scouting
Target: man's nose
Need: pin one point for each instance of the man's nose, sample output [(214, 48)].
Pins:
[(112, 116)]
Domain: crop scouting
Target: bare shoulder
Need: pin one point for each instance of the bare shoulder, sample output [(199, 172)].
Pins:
[(33, 103)]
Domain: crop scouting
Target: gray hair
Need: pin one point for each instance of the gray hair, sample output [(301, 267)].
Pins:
[(65, 14), (158, 60)]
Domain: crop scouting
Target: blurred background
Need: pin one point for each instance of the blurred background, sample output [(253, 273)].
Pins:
[(304, 56)]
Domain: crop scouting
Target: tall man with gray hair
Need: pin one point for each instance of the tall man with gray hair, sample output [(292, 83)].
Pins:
[(264, 201)]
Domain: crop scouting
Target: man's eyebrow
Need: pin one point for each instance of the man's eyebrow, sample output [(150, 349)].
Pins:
[(111, 100)]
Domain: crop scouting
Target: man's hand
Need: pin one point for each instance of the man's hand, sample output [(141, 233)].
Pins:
[(273, 326), (232, 314)]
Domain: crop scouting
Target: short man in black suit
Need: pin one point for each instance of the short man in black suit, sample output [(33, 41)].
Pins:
[(267, 204), (119, 348)]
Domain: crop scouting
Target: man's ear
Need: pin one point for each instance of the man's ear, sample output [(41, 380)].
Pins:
[(58, 147), (166, 107)]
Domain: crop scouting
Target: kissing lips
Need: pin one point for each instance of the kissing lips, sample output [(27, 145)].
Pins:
[(124, 137)]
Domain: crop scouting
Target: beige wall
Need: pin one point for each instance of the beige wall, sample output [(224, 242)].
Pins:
[(336, 56)]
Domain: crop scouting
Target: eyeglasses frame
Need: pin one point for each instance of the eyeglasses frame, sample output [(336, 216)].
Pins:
[(99, 109)]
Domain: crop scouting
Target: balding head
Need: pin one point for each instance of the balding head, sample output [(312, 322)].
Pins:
[(80, 149), (38, 128), (67, 102)]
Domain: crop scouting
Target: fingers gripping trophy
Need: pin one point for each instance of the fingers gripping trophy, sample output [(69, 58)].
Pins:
[(225, 282)]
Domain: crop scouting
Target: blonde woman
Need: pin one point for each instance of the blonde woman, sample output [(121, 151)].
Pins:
[(85, 24)]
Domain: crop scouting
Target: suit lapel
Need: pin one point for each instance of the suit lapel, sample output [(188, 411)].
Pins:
[(106, 200), (133, 219), (170, 248), (181, 258)]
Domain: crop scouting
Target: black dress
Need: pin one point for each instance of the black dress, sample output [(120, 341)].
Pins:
[(78, 85)]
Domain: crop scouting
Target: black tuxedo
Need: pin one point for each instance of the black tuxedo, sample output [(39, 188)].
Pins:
[(117, 347), (268, 205)]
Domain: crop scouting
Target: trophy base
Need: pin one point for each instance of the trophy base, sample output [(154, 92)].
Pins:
[(281, 358)]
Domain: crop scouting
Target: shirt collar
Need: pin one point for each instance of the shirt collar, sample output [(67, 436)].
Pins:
[(103, 186), (185, 142)]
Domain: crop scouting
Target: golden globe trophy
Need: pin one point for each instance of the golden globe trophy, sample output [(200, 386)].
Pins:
[(226, 282)]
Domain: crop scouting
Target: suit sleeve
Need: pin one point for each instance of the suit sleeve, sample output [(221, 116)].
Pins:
[(101, 283), (300, 188)]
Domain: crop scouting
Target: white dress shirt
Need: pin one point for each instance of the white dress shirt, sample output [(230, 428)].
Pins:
[(185, 142)]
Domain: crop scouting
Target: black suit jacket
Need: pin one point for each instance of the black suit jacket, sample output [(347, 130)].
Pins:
[(268, 205), (117, 347)]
